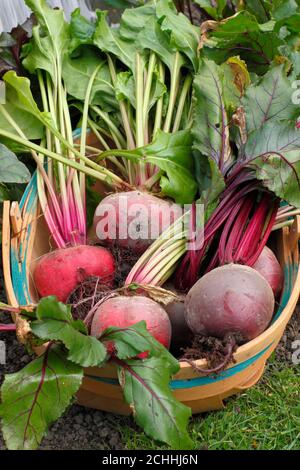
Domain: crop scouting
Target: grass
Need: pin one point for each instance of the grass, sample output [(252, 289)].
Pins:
[(266, 417)]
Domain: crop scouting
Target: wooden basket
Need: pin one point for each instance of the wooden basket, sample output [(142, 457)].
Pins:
[(26, 238)]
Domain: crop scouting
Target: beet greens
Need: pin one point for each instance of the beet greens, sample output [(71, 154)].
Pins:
[(33, 398)]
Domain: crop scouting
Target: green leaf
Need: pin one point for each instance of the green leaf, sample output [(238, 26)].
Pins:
[(81, 30), (37, 396), (55, 323), (11, 169), (125, 87), (24, 100), (210, 127), (259, 8), (282, 9), (172, 153), (50, 39), (184, 37), (236, 79), (77, 72), (270, 100), (241, 35), (214, 9), (109, 40), (4, 194), (136, 339), (133, 20), (146, 389), (273, 152), (21, 107), (292, 23), (152, 38)]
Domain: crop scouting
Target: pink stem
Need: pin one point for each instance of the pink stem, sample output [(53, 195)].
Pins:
[(9, 327)]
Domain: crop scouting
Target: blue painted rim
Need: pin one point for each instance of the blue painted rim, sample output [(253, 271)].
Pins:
[(197, 381)]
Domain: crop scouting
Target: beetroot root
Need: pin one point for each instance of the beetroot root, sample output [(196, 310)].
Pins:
[(59, 272), (126, 311), (231, 299), (268, 266), (133, 219)]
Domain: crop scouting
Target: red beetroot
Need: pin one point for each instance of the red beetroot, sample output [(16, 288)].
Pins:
[(125, 311), (268, 266), (59, 272), (230, 299), (133, 219), (181, 333)]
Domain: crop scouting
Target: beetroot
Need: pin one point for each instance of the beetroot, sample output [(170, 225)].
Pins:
[(231, 299), (133, 219), (268, 266), (125, 311), (59, 272), (181, 333)]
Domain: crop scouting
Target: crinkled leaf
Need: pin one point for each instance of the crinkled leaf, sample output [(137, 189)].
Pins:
[(210, 127), (273, 152), (270, 100), (146, 389), (11, 169), (55, 323), (37, 396), (135, 339), (50, 308)]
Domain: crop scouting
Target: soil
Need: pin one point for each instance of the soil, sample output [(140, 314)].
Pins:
[(81, 428)]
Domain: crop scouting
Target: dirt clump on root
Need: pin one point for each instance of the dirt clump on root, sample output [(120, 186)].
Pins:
[(90, 291), (86, 296), (217, 352)]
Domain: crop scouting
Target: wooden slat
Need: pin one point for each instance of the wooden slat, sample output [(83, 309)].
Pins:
[(6, 234)]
